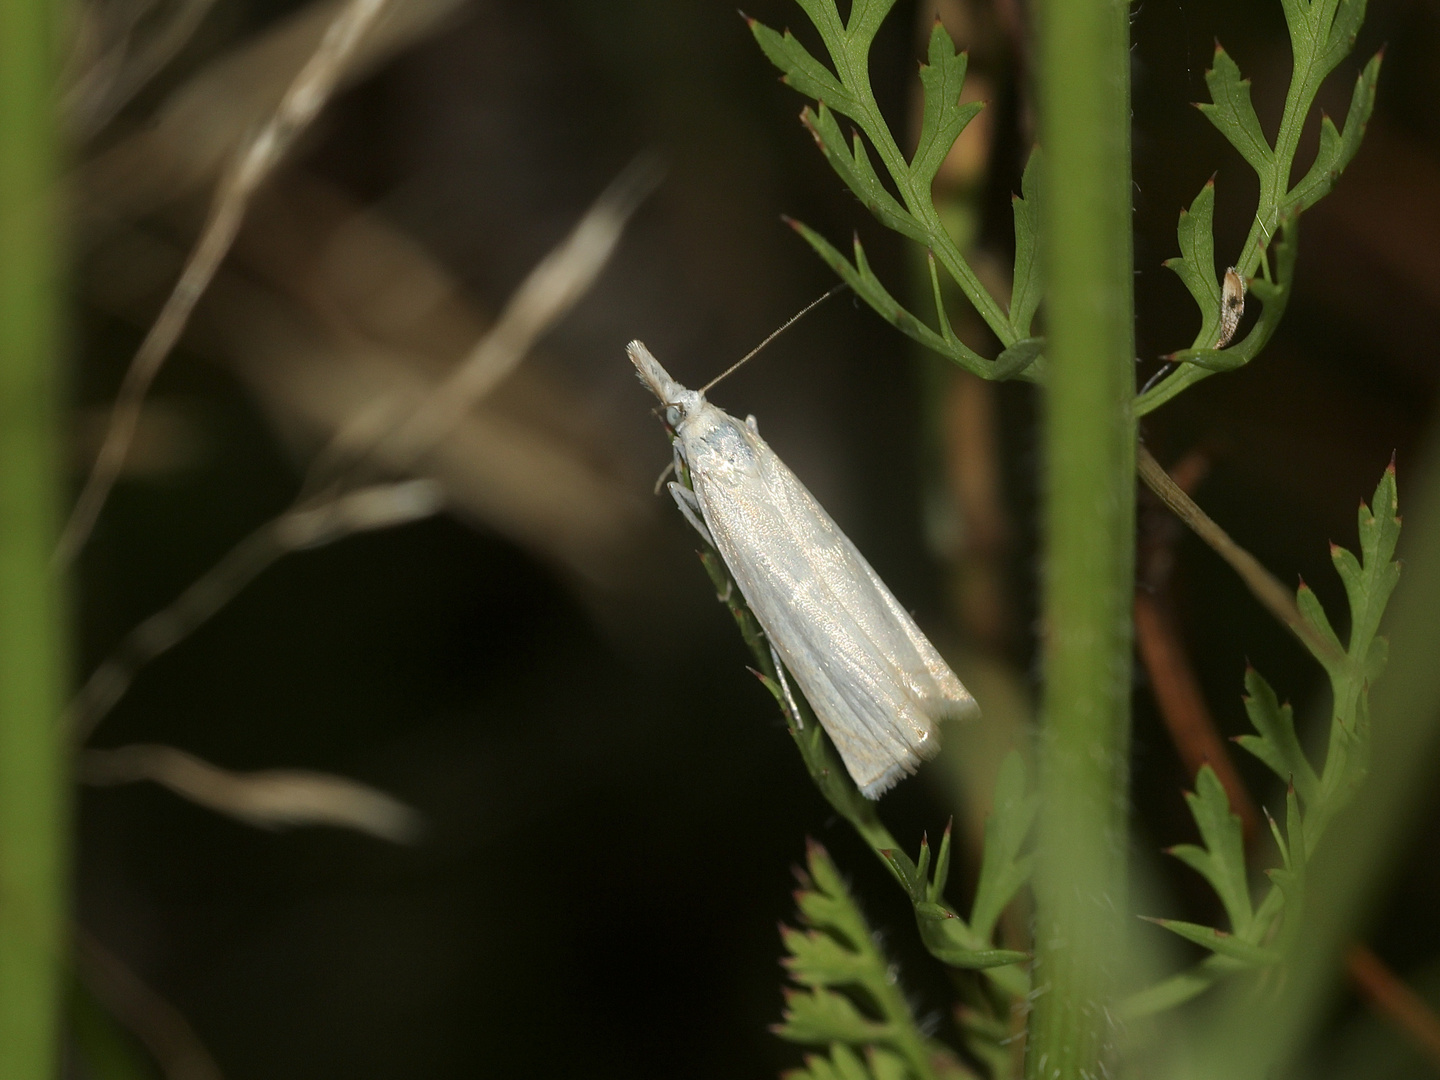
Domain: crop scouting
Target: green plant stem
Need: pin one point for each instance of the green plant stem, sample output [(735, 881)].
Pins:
[(32, 800), (1089, 535)]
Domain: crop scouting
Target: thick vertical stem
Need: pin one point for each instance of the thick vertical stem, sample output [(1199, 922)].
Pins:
[(32, 802), (1089, 534)]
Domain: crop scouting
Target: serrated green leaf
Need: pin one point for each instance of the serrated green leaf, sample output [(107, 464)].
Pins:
[(1322, 33), (816, 1068), (851, 994), (936, 890), (1222, 861), (950, 941), (826, 17), (1179, 988), (1196, 264), (848, 1065), (1337, 149), (1368, 585), (851, 163), (906, 873), (1295, 843), (865, 19), (826, 904), (822, 1016), (1340, 38), (944, 118), (868, 287), (1017, 358), (1297, 19), (1233, 114), (817, 959), (1028, 286), (1376, 658), (1002, 870), (1314, 614), (1221, 943), (802, 71), (1277, 744), (887, 1066)]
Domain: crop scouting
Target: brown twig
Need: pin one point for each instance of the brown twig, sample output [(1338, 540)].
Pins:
[(1263, 585), (303, 100), (1182, 708), (300, 527), (331, 506), (158, 1025), (556, 283), (1197, 740), (267, 799), (1389, 996)]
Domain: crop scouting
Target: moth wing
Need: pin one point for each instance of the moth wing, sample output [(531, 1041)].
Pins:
[(875, 682)]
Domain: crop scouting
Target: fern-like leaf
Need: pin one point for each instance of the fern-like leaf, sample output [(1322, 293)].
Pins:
[(1322, 33), (1232, 113), (1222, 860), (1002, 868), (846, 90), (944, 118), (846, 999), (1276, 744)]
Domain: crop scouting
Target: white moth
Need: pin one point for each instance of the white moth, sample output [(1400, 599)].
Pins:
[(876, 683)]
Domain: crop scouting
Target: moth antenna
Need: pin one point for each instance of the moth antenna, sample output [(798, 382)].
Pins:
[(774, 334)]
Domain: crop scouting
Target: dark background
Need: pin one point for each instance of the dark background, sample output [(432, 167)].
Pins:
[(613, 805)]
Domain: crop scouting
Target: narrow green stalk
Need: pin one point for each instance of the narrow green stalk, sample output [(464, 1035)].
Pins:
[(1089, 535), (32, 801)]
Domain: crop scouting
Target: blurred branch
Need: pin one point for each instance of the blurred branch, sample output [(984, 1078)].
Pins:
[(379, 507), (323, 515), (1263, 585), (273, 799), (546, 294), (159, 1026), (1393, 999), (106, 82), (303, 100), (206, 123), (1177, 693), (1182, 706)]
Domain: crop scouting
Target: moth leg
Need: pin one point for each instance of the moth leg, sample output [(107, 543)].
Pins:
[(785, 686), (664, 474), (690, 506), (752, 425)]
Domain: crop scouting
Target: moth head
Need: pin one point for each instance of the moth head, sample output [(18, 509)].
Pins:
[(678, 401)]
